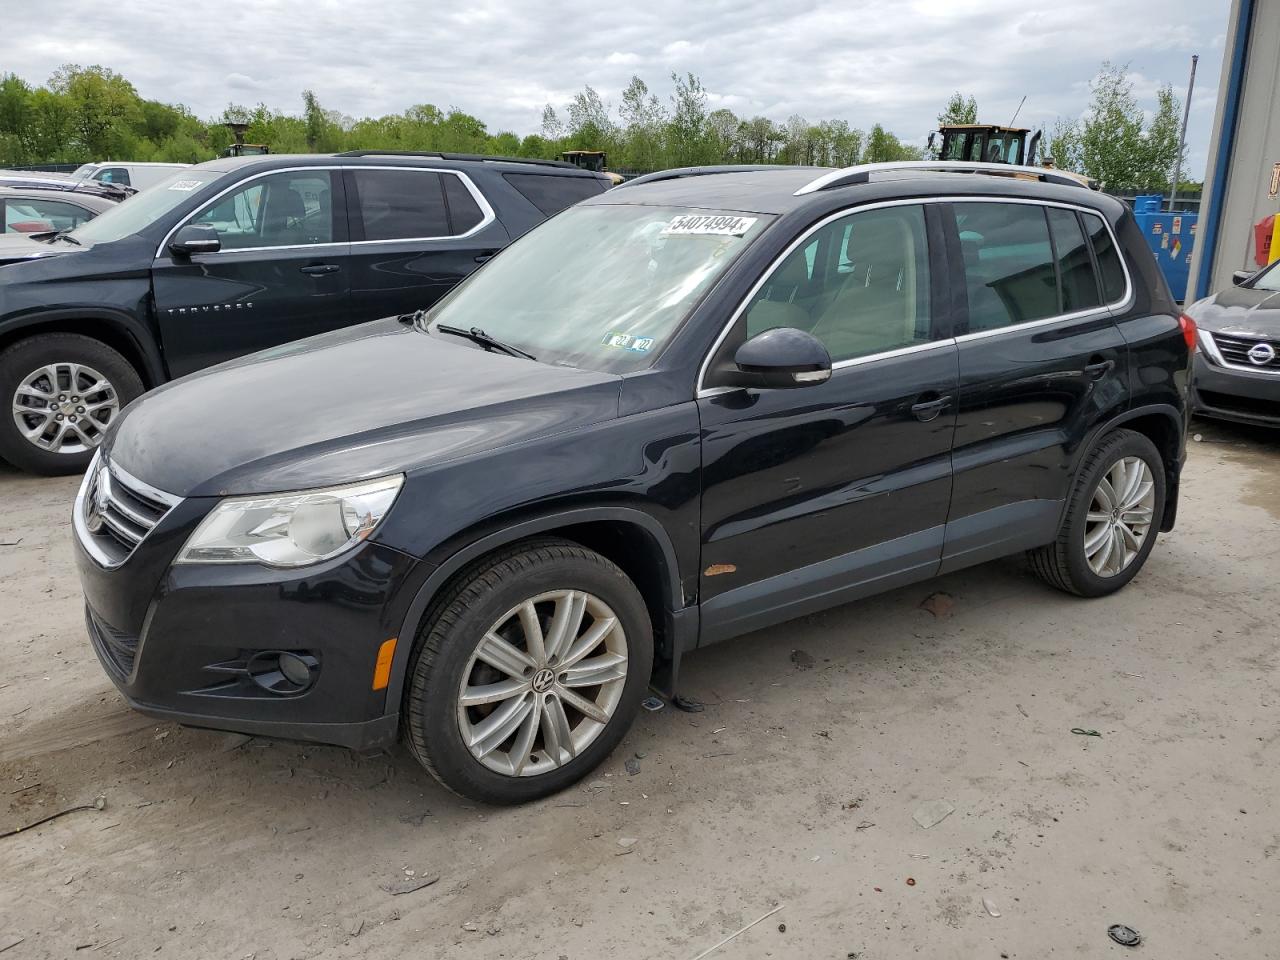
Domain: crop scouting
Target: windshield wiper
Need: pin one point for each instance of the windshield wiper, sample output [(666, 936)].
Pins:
[(476, 335), (65, 235)]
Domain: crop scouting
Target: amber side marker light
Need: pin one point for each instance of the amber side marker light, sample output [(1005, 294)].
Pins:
[(382, 669)]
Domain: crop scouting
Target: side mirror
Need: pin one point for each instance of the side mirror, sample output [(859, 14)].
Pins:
[(1241, 277), (781, 358), (195, 238)]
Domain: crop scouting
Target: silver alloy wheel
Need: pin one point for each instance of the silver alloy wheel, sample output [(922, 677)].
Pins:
[(1119, 516), (543, 683), (64, 407)]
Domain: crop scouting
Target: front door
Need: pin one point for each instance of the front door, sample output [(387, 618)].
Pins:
[(282, 273), (416, 234), (1041, 362), (815, 495)]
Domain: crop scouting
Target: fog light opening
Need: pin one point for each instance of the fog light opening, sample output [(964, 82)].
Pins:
[(283, 672)]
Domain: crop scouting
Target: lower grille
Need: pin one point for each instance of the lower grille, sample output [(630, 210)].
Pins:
[(1233, 404), (1235, 351), (117, 650)]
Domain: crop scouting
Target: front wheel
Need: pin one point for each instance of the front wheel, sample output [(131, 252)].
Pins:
[(1112, 518), (64, 391), (529, 673)]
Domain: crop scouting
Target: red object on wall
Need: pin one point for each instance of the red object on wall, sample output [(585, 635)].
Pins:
[(1262, 240)]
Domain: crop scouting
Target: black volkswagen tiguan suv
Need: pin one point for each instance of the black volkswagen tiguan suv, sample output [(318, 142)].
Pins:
[(236, 255), (700, 404)]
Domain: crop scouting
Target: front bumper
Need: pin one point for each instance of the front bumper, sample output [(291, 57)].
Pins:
[(1234, 393), (187, 642)]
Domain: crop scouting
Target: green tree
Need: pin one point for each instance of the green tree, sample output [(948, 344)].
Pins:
[(643, 120), (884, 147), (959, 109), (1111, 136), (1062, 145), (589, 126), (1160, 142), (102, 105), (687, 140)]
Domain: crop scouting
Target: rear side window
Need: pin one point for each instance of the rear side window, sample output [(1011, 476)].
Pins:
[(1008, 263), (464, 212), (1108, 259), (550, 193), (1075, 265), (401, 204), (113, 175), (36, 216)]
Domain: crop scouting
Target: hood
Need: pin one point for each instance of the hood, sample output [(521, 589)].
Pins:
[(362, 402), (1241, 310), (19, 246)]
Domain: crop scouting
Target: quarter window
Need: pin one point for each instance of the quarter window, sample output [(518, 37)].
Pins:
[(113, 175), (551, 193), (1008, 264), (860, 285), (1109, 266), (1075, 265), (279, 210)]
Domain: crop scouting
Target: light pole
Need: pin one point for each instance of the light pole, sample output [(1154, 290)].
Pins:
[(1182, 134)]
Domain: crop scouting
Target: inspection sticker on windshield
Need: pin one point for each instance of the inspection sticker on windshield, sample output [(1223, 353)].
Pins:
[(627, 342), (186, 186), (704, 226)]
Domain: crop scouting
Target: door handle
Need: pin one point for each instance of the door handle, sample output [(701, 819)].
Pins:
[(927, 410), (485, 257), (1099, 369), (320, 269)]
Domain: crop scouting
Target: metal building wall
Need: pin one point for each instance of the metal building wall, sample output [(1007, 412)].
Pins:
[(1244, 148)]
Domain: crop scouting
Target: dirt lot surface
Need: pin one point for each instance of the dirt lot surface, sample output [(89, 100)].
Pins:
[(796, 787)]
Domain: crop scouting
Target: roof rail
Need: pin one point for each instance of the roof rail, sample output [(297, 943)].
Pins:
[(679, 173), (457, 156), (862, 173)]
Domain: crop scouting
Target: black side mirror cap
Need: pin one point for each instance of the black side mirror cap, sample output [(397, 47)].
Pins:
[(782, 358), (195, 238), (1241, 277)]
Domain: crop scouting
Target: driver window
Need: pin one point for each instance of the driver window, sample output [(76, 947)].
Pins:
[(279, 210), (860, 284)]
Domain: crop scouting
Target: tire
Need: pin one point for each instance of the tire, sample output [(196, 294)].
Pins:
[(487, 598), (1066, 563), (64, 364)]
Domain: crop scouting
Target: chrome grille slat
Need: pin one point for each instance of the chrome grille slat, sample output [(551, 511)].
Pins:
[(1235, 351), (115, 512)]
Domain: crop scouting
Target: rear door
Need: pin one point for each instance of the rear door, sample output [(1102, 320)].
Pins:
[(1041, 362), (415, 234), (815, 495), (282, 273)]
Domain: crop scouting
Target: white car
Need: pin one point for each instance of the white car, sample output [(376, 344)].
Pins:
[(136, 175)]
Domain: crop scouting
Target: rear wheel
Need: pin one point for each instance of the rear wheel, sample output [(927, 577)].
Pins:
[(64, 390), (1112, 518), (529, 673)]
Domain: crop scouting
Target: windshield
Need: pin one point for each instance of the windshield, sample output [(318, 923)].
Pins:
[(601, 286), (138, 212), (1269, 279)]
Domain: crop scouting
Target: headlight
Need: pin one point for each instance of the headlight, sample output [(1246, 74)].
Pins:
[(291, 529)]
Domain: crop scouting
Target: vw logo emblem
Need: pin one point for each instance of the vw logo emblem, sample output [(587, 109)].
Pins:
[(1260, 354), (99, 496), (543, 680)]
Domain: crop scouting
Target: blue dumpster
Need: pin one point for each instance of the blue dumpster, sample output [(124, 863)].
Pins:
[(1171, 236)]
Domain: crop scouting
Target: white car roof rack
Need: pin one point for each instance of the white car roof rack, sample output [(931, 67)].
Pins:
[(862, 173)]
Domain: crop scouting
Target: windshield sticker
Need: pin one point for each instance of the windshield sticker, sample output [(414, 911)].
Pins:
[(701, 226), (186, 186), (627, 342)]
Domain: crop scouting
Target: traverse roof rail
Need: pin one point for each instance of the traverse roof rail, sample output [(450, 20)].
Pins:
[(678, 173), (862, 173), (456, 156)]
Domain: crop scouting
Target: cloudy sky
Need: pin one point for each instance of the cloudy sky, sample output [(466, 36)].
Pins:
[(889, 61)]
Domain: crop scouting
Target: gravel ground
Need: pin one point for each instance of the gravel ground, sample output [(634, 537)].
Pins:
[(796, 787)]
